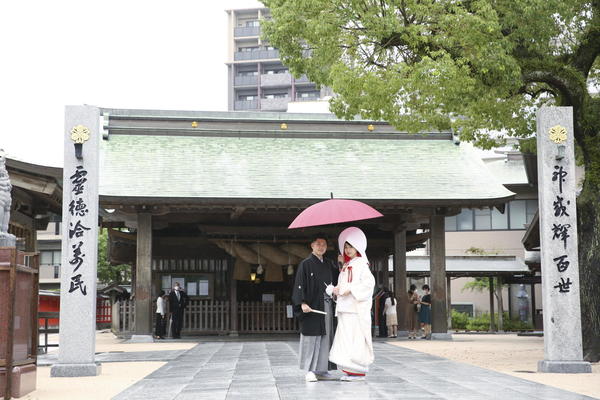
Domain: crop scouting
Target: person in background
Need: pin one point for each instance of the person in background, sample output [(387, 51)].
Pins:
[(177, 303), (391, 317), (425, 313), (411, 314), (159, 330)]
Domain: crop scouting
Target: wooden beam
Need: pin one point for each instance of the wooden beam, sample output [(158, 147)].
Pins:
[(236, 213), (34, 184)]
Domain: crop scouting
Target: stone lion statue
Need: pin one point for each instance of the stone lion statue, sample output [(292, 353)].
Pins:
[(5, 202)]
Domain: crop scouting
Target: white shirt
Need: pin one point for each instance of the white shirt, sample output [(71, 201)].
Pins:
[(160, 306), (389, 307)]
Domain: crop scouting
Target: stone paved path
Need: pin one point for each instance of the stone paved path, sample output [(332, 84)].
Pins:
[(268, 370)]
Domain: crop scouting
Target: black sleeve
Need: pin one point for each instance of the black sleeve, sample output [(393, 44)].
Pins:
[(299, 292)]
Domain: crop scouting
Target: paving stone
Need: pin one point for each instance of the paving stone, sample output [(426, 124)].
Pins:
[(269, 370)]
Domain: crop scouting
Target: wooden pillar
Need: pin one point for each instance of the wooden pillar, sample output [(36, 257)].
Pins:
[(449, 300), (492, 322), (143, 276), (437, 260), (400, 279), (500, 304), (382, 272), (233, 323)]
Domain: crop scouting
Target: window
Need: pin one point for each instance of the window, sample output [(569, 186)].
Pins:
[(499, 220), (450, 223), (247, 73), (247, 49), (247, 97), (275, 96), (275, 71), (51, 258), (309, 95), (464, 220), (483, 220), (518, 214), (252, 23)]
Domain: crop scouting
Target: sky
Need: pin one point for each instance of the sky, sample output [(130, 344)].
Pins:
[(109, 53)]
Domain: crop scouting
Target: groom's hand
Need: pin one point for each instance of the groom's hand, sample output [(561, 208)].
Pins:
[(306, 308)]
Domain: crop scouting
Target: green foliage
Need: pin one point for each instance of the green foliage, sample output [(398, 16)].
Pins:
[(479, 284), (480, 323), (462, 321), (459, 320), (108, 273), (472, 66)]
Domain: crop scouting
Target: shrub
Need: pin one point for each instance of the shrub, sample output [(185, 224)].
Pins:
[(482, 322), (459, 320)]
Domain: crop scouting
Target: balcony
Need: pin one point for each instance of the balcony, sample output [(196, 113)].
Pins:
[(250, 80), (302, 80), (241, 105), (277, 104), (256, 55), (244, 31), (309, 98), (272, 80)]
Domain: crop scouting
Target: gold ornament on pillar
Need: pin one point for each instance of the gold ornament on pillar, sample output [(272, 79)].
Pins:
[(558, 134), (79, 135)]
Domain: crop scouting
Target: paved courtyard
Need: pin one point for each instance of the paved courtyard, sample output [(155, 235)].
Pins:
[(268, 370)]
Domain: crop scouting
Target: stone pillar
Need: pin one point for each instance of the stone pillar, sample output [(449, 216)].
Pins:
[(400, 279), (115, 314), (437, 261), (449, 300), (78, 274), (563, 351), (143, 279), (492, 319), (500, 304)]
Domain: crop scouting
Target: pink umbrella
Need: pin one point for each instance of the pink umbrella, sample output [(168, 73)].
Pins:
[(334, 211)]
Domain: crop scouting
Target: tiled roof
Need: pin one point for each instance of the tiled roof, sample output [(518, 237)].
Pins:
[(268, 167)]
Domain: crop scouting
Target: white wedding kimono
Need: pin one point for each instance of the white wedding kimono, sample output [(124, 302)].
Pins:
[(352, 348)]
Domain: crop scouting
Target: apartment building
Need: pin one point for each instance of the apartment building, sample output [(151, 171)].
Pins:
[(257, 80), (49, 246)]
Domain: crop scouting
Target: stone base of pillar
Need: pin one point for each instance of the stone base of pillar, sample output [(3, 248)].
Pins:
[(141, 339), (565, 367), (441, 336), (234, 333), (73, 370)]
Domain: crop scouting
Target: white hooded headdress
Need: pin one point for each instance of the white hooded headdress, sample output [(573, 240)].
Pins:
[(356, 238)]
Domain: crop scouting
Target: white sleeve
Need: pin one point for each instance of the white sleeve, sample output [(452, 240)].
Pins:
[(362, 288)]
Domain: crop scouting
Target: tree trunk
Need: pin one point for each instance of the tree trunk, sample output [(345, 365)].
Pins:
[(588, 213)]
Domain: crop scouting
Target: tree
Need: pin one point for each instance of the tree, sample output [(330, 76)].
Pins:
[(108, 273), (474, 66)]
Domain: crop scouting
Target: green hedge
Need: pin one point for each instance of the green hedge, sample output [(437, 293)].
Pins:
[(462, 321)]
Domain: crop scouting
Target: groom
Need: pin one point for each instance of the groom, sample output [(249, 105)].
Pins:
[(313, 277)]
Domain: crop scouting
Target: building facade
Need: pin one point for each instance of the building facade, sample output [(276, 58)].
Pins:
[(257, 80)]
